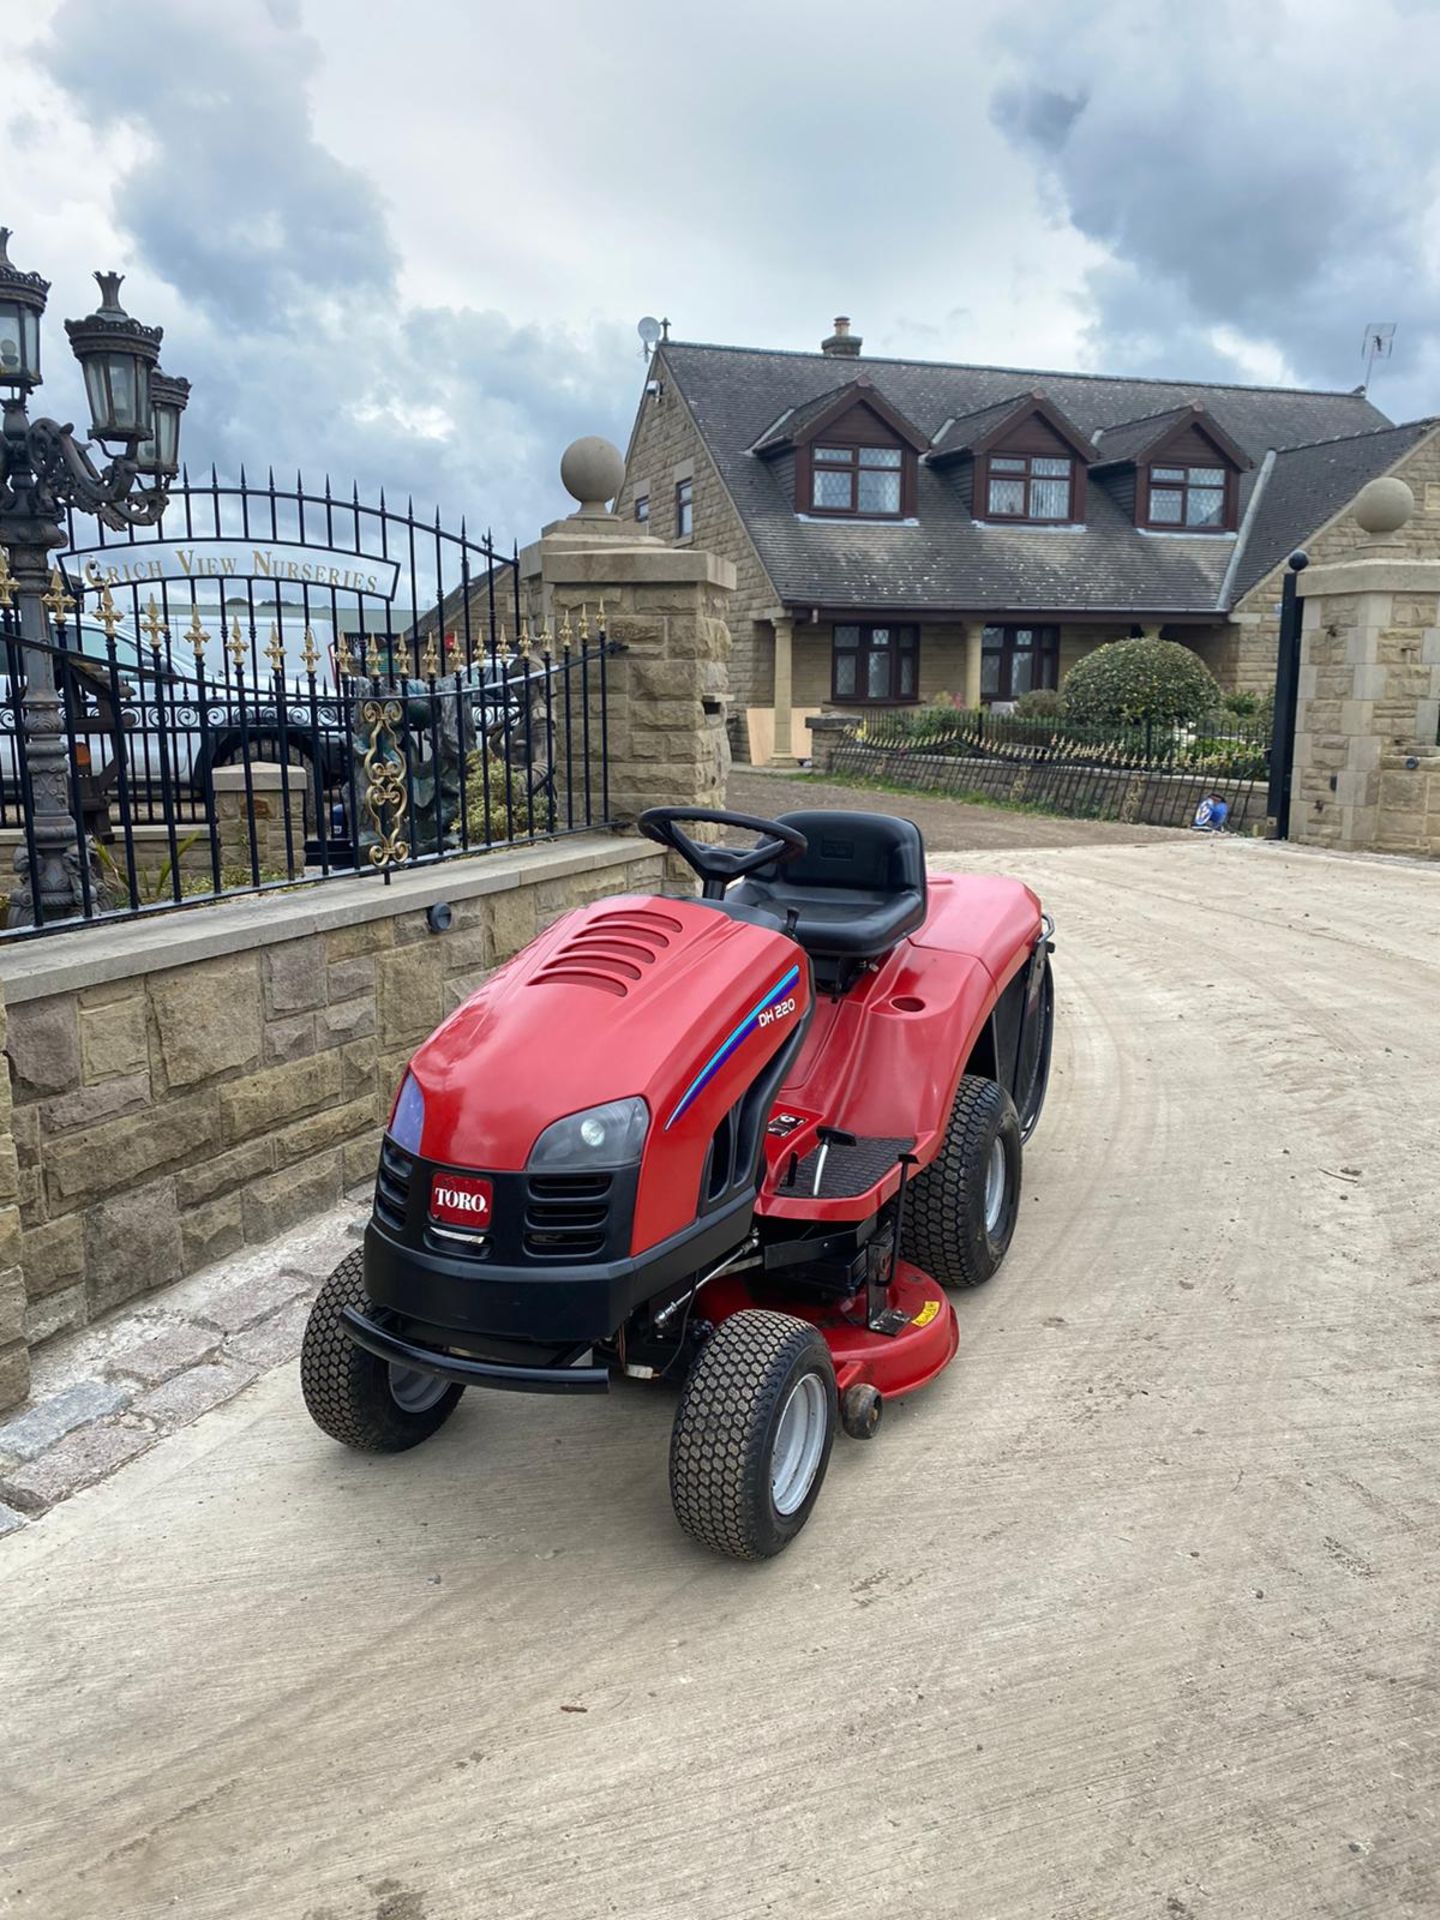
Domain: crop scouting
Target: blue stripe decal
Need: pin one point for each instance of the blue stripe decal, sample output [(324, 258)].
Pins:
[(722, 1053)]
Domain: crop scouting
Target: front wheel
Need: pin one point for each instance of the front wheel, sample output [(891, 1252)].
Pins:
[(960, 1212), (752, 1435), (354, 1396)]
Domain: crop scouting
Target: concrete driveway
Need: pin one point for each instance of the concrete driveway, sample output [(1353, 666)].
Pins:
[(1133, 1614)]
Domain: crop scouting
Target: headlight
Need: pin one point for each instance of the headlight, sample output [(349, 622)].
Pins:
[(600, 1137), (407, 1122)]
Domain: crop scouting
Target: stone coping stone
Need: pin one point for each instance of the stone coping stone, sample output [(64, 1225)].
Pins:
[(1368, 572), (88, 957)]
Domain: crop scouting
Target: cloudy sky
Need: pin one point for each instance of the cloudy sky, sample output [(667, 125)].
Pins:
[(409, 243)]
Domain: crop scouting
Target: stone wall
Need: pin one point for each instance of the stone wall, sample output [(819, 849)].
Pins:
[(187, 1086), (14, 1347), (1247, 656), (1091, 793)]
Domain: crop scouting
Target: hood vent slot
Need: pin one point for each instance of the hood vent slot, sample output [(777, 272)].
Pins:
[(610, 951)]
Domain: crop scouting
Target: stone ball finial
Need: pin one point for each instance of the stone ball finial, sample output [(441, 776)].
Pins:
[(593, 472), (1383, 506)]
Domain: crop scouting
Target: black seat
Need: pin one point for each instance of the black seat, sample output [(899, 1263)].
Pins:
[(857, 889)]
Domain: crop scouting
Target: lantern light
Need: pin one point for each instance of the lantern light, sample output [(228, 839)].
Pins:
[(116, 354)]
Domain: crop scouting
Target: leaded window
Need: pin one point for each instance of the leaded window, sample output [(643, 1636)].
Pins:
[(1187, 497), (1027, 486), (865, 481), (876, 662), (1013, 660)]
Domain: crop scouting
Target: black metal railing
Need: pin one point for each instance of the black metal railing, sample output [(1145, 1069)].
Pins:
[(248, 727), (1211, 770)]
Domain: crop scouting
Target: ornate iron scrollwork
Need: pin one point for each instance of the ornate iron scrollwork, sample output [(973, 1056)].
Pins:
[(384, 763)]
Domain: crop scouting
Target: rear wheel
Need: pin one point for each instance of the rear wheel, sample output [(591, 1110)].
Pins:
[(960, 1212), (352, 1395), (752, 1435)]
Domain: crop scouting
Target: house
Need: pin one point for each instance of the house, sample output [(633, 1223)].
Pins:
[(903, 529)]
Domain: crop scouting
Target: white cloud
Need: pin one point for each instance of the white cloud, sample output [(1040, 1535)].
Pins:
[(416, 258)]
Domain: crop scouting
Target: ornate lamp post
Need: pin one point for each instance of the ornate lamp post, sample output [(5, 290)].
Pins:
[(44, 470)]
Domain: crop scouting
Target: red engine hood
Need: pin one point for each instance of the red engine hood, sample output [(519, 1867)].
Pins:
[(634, 995)]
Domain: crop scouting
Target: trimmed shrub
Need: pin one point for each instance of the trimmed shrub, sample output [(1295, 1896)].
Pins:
[(1041, 703), (1133, 681)]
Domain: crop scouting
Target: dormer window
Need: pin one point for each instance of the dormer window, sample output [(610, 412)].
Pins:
[(849, 454), (1019, 461), (1028, 487), (864, 481), (1176, 472), (1187, 496)]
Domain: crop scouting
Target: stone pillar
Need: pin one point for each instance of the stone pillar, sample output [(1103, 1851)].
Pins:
[(1367, 769), (14, 1352), (974, 645), (667, 692), (256, 818), (827, 732), (784, 751)]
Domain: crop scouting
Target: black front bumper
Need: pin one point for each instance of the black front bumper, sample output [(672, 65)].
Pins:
[(499, 1313), (367, 1331)]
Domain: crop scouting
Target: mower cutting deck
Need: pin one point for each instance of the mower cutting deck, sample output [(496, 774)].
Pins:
[(741, 1144)]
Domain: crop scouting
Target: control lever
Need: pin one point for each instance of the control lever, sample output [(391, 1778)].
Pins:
[(828, 1137), (880, 1317)]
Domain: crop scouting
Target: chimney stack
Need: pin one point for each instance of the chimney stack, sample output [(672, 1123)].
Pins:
[(842, 344)]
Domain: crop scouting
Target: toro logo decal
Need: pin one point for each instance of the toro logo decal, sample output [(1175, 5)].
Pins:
[(462, 1200), (778, 1004)]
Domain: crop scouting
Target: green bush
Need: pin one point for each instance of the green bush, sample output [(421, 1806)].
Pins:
[(1129, 682), (1041, 703), (1244, 706), (497, 821)]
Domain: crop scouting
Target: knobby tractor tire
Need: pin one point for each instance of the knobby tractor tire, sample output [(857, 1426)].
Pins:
[(946, 1231), (722, 1448), (347, 1390)]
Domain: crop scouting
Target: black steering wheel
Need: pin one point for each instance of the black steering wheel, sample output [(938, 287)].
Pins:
[(718, 866)]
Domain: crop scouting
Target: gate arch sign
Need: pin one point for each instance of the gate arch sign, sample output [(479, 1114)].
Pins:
[(189, 561)]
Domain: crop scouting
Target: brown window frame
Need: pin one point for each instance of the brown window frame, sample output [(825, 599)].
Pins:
[(1028, 479), (1228, 491), (1046, 651), (684, 509), (853, 467), (862, 654)]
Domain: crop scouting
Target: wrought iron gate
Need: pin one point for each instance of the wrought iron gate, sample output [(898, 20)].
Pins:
[(382, 662)]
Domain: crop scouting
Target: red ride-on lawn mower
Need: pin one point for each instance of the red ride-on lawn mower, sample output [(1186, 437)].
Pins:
[(741, 1143)]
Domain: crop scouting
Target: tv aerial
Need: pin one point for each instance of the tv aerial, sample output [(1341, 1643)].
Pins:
[(1379, 345)]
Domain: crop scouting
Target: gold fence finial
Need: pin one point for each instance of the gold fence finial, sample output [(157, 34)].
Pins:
[(274, 652), (430, 665), (105, 614), (584, 622), (155, 630), (311, 654), (57, 599), (567, 639), (376, 661), (7, 580), (502, 645), (236, 643)]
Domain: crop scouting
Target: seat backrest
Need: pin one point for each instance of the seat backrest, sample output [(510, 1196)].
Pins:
[(876, 852)]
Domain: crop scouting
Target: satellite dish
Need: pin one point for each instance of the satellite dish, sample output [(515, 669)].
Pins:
[(649, 331)]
